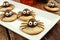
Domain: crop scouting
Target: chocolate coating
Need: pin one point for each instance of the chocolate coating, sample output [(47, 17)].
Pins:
[(26, 12), (32, 23)]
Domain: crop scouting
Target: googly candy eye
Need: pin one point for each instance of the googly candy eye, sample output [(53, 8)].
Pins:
[(7, 4), (30, 23), (28, 12), (10, 12), (35, 23), (24, 12), (52, 5), (6, 14)]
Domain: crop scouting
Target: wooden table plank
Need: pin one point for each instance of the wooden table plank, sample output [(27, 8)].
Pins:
[(15, 36), (54, 33), (3, 34)]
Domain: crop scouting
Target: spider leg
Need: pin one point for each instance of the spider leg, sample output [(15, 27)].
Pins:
[(23, 25)]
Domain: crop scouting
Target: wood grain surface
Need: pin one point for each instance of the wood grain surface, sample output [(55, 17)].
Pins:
[(53, 34), (3, 33)]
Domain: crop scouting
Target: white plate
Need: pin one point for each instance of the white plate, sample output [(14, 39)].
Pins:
[(47, 18)]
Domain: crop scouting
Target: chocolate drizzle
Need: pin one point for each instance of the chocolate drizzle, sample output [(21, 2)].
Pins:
[(8, 13), (32, 23), (52, 5), (26, 12), (6, 4)]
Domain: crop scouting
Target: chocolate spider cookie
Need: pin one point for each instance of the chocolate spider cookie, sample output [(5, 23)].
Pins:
[(6, 6), (26, 15), (52, 7), (8, 16), (32, 27)]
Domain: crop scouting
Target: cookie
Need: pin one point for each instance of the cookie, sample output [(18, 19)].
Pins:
[(26, 15), (52, 7), (6, 6), (32, 27), (8, 16)]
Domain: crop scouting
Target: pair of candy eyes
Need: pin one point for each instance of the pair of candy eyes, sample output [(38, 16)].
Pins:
[(34, 23), (5, 4), (8, 13), (52, 4), (24, 12)]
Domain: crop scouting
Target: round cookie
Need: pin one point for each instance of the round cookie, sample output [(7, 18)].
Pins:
[(8, 16), (6, 6), (52, 7), (32, 27), (26, 15)]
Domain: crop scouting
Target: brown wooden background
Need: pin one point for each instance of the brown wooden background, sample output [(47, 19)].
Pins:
[(53, 34)]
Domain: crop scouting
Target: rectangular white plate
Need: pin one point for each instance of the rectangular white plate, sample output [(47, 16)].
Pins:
[(47, 18)]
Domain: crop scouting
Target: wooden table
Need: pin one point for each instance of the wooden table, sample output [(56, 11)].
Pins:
[(53, 34)]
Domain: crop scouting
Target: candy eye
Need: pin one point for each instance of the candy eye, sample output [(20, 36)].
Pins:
[(24, 12), (4, 4), (7, 4), (10, 13), (30, 23), (35, 23), (28, 12), (6, 13), (52, 4)]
